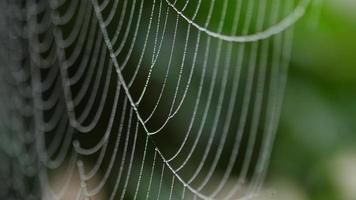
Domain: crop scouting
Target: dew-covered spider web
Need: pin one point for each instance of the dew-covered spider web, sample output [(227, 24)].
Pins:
[(141, 99)]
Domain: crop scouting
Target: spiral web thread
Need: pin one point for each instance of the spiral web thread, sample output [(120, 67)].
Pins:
[(142, 99)]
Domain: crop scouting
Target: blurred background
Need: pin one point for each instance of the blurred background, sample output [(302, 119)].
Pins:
[(315, 150)]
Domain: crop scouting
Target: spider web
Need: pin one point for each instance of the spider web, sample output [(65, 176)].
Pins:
[(143, 99)]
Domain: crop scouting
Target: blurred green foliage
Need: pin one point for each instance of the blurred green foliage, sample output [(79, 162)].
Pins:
[(318, 120)]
